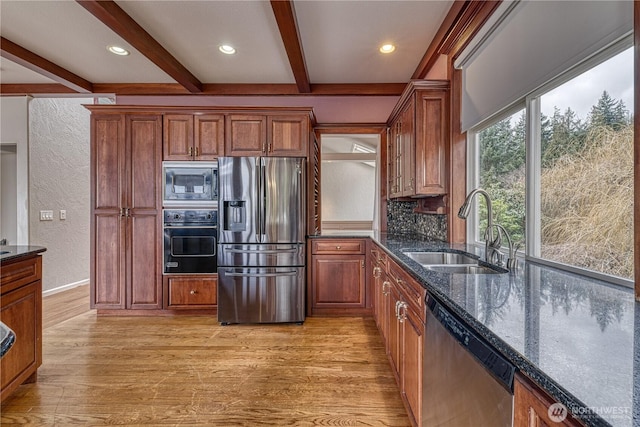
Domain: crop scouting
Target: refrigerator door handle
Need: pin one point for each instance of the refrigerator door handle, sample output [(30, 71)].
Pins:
[(258, 203), (263, 201), (263, 251), (279, 274)]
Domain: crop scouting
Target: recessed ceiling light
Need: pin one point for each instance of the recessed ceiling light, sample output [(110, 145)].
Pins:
[(225, 48), (118, 50), (387, 48)]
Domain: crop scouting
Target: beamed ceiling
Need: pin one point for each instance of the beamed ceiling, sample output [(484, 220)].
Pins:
[(313, 48)]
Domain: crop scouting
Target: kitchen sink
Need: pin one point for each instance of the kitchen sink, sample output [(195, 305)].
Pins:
[(441, 258), (452, 262)]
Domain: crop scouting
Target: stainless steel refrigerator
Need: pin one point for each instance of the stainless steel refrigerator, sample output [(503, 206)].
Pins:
[(261, 241)]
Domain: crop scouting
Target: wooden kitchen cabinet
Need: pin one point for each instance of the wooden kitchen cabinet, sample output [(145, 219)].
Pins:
[(21, 300), (405, 343), (126, 225), (338, 283), (531, 406), (419, 140), (380, 288), (283, 135), (192, 291), (193, 136)]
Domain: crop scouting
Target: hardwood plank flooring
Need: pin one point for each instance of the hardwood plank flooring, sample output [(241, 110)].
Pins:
[(188, 370), (65, 305)]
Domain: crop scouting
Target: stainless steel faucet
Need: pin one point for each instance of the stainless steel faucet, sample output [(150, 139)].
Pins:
[(492, 244)]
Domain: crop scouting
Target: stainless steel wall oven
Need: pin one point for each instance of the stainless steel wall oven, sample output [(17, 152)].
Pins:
[(190, 241)]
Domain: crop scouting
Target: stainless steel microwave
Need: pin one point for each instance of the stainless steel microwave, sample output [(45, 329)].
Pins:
[(190, 183)]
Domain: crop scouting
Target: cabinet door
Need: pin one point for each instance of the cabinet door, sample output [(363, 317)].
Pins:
[(108, 196), (21, 311), (338, 281), (431, 142), (393, 333), (531, 407), (288, 135), (408, 158), (395, 160), (412, 336), (245, 135), (144, 218), (208, 136), (177, 143), (185, 292)]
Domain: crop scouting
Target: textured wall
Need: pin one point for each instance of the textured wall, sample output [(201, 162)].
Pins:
[(402, 219), (59, 134)]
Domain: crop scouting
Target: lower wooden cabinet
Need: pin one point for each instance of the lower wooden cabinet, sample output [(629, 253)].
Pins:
[(22, 312), (405, 342), (338, 282), (191, 291), (532, 407)]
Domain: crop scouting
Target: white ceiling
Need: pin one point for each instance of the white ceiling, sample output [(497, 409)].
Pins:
[(340, 40)]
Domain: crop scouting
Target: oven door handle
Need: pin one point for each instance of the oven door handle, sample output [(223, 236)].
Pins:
[(263, 251), (283, 273), (178, 227)]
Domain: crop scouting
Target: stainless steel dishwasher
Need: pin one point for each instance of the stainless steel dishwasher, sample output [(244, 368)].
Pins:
[(465, 381)]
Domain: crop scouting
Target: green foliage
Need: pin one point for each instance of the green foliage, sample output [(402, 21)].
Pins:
[(566, 140)]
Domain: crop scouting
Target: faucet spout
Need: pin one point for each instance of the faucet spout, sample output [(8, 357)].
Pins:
[(492, 245)]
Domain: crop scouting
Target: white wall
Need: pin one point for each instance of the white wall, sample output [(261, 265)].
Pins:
[(59, 133), (14, 129), (348, 190), (8, 193)]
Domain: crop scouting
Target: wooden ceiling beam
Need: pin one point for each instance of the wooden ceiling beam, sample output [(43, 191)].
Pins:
[(464, 19), (40, 65), (285, 15), (167, 89), (111, 15)]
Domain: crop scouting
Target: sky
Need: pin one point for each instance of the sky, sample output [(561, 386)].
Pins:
[(614, 75)]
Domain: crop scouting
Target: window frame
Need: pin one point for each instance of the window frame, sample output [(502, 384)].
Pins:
[(531, 104)]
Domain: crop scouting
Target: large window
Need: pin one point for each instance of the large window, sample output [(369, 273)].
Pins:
[(577, 167)]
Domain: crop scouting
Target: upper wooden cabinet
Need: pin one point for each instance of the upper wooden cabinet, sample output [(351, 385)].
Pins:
[(193, 137), (284, 135), (419, 140)]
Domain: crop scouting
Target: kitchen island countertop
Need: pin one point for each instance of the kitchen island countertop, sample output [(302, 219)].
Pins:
[(11, 252), (576, 337)]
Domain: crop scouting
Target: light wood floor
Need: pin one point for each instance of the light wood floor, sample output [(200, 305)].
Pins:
[(188, 370)]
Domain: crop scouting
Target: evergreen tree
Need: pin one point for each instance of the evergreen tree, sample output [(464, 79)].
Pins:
[(609, 112)]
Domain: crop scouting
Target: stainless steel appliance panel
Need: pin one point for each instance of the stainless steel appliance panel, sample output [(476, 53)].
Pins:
[(274, 255), (261, 295), (190, 184), (458, 389), (262, 200)]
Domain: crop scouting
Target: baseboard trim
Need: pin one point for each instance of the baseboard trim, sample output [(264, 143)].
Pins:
[(65, 287)]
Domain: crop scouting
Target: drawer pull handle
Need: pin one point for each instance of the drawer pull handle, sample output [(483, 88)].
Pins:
[(338, 247), (193, 292)]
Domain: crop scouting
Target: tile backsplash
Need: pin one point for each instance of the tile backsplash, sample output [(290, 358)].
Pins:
[(401, 218)]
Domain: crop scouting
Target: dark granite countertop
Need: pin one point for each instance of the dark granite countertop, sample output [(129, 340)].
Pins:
[(11, 252), (571, 334)]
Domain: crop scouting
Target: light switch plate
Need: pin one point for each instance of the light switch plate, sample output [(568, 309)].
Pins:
[(46, 215), (63, 214)]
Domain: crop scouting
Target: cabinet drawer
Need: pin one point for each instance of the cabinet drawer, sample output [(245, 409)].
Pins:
[(347, 246), (20, 273), (188, 292), (412, 292)]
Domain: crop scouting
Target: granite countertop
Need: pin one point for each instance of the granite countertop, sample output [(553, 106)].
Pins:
[(577, 337), (11, 252)]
